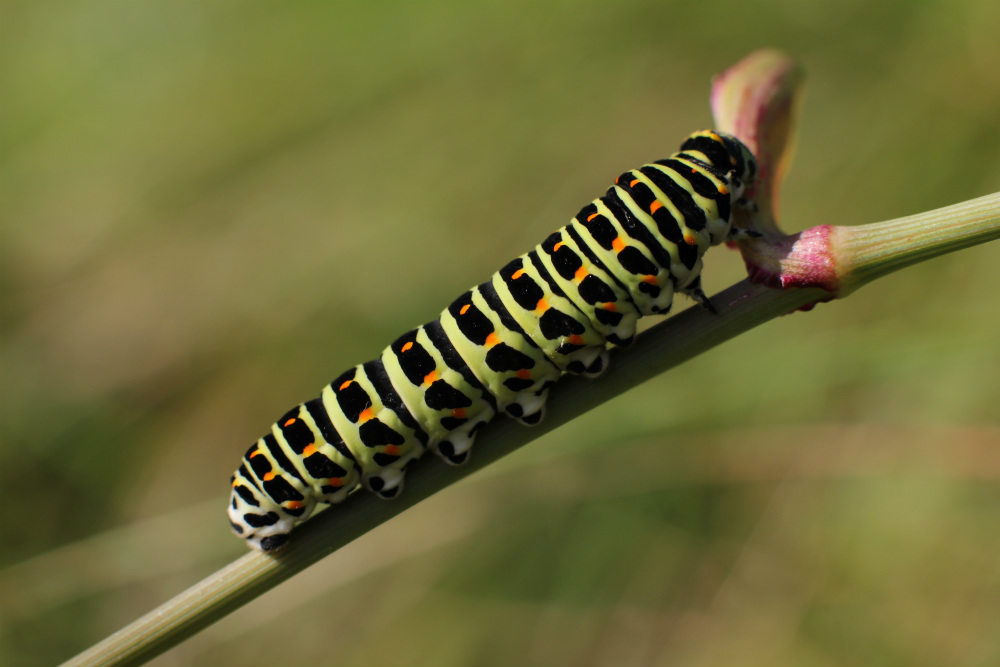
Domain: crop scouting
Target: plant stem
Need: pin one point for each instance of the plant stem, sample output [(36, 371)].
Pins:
[(871, 251), (864, 253), (693, 331)]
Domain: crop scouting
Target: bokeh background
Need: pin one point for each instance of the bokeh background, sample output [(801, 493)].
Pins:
[(208, 210)]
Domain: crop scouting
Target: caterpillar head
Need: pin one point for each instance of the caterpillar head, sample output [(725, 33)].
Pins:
[(728, 155), (731, 159), (744, 169), (255, 517)]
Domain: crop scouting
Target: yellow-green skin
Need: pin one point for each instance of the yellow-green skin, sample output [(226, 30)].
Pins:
[(500, 346)]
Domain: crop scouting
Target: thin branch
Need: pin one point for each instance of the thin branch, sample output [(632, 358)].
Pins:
[(672, 342), (871, 251), (741, 307)]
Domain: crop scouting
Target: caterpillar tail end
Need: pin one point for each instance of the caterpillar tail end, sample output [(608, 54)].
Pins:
[(269, 538), (262, 527)]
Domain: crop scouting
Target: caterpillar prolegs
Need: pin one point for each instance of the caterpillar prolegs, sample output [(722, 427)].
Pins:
[(500, 346)]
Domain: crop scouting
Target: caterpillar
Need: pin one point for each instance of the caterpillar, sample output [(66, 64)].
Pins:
[(501, 346)]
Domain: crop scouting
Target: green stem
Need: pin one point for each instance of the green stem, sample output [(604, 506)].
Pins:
[(871, 251), (741, 307), (848, 256), (839, 260)]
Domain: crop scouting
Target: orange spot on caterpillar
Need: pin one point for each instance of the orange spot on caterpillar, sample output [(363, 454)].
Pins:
[(431, 377), (309, 450), (407, 346), (517, 274), (289, 422), (524, 374), (724, 190), (580, 274), (649, 279), (293, 505), (345, 385), (655, 206), (542, 304), (633, 182), (690, 239), (618, 244), (693, 170), (335, 481), (576, 339), (256, 452), (611, 306), (556, 247), (464, 309), (269, 476), (592, 216), (366, 414), (458, 413), (236, 482), (392, 450), (492, 339)]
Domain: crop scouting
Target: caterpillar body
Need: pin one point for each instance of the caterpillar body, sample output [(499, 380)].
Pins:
[(500, 346)]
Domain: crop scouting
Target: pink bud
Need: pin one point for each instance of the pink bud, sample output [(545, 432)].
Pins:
[(756, 100)]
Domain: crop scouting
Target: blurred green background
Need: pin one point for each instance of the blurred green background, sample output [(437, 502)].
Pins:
[(211, 209)]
